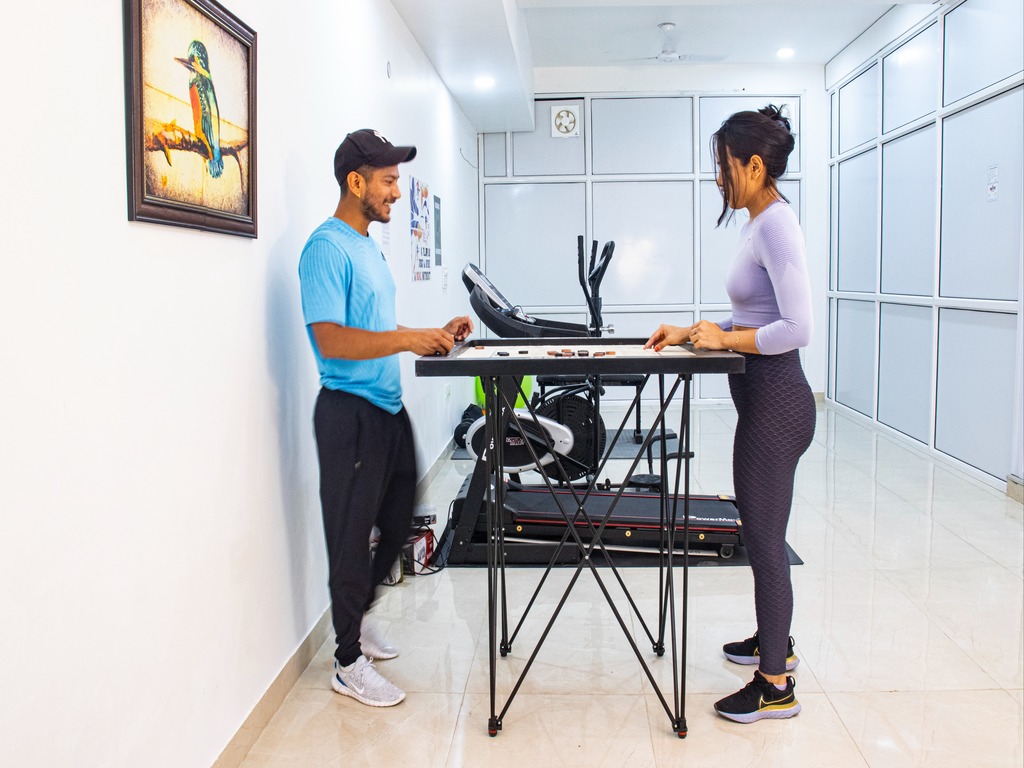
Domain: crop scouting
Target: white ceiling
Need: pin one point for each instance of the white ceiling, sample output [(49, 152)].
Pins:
[(508, 39)]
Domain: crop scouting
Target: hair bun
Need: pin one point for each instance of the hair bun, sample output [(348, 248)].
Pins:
[(775, 113)]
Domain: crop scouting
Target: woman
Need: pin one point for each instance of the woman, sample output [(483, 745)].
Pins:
[(771, 319)]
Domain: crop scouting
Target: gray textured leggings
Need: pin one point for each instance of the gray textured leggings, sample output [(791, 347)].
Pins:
[(775, 425)]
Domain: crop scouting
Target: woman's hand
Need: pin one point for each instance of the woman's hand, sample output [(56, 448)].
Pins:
[(707, 335), (667, 335)]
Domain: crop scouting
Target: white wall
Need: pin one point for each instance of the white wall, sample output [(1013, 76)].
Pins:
[(719, 79), (970, 247), (162, 554), (891, 25)]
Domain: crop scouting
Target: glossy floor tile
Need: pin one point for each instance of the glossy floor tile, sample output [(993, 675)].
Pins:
[(908, 623)]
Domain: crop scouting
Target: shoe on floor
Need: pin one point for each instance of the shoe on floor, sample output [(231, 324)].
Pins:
[(373, 645), (747, 652), (364, 683), (758, 700)]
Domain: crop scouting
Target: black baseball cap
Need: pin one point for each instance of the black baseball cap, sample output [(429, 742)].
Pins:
[(367, 147)]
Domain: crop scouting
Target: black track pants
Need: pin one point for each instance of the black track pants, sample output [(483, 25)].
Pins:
[(775, 425), (367, 478)]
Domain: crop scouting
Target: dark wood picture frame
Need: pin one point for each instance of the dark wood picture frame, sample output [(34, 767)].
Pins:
[(190, 113)]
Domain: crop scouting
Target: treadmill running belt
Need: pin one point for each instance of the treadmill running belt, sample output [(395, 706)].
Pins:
[(634, 510)]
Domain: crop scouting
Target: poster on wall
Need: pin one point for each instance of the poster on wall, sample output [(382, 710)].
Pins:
[(385, 240), (437, 231), (191, 115), (420, 229)]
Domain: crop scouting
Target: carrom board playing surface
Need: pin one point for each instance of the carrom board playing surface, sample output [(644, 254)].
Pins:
[(497, 357)]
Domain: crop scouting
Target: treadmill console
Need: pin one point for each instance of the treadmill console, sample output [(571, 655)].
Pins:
[(506, 319), (472, 277)]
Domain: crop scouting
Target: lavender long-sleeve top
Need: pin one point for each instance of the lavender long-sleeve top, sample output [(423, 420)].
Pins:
[(768, 283)]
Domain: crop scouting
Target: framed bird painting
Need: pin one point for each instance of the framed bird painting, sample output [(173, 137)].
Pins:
[(190, 97)]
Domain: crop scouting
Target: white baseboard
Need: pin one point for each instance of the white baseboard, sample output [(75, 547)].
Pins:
[(236, 750), (1015, 489), (437, 466)]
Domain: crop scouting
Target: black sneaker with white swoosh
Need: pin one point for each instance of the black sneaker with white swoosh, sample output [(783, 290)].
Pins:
[(760, 700), (749, 652)]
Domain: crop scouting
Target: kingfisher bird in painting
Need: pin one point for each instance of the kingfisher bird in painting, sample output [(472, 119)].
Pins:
[(205, 113)]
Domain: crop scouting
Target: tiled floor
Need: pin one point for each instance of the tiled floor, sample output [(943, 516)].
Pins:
[(908, 623)]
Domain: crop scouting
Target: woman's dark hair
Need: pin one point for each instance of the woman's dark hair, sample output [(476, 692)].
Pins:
[(765, 133)]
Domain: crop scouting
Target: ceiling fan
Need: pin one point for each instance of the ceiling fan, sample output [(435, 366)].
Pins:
[(669, 54)]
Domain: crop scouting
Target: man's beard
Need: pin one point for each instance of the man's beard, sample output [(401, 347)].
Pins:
[(374, 210)]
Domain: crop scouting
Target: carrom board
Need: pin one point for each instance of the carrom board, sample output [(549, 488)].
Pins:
[(511, 357)]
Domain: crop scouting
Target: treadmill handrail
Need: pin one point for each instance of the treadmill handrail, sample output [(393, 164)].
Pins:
[(514, 323)]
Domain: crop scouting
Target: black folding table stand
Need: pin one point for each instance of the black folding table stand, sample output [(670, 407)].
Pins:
[(502, 385)]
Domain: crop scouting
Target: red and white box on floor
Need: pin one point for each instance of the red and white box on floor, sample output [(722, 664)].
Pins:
[(417, 552)]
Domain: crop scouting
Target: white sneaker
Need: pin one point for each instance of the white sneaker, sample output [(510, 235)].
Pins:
[(373, 645), (364, 683)]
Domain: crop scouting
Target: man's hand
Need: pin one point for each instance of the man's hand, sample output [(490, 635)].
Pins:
[(429, 341), (460, 327), (667, 335)]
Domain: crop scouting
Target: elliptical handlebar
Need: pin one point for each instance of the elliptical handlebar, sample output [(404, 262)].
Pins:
[(590, 280), (592, 305), (598, 270)]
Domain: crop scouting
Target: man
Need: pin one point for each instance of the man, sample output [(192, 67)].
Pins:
[(363, 434)]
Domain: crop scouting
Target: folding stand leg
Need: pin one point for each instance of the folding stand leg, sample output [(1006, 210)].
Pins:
[(679, 660), (494, 442), (500, 393)]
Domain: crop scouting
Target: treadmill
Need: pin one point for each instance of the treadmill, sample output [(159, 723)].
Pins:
[(534, 527), (508, 320)]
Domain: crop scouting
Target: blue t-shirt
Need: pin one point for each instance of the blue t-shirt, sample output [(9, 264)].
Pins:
[(345, 280)]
